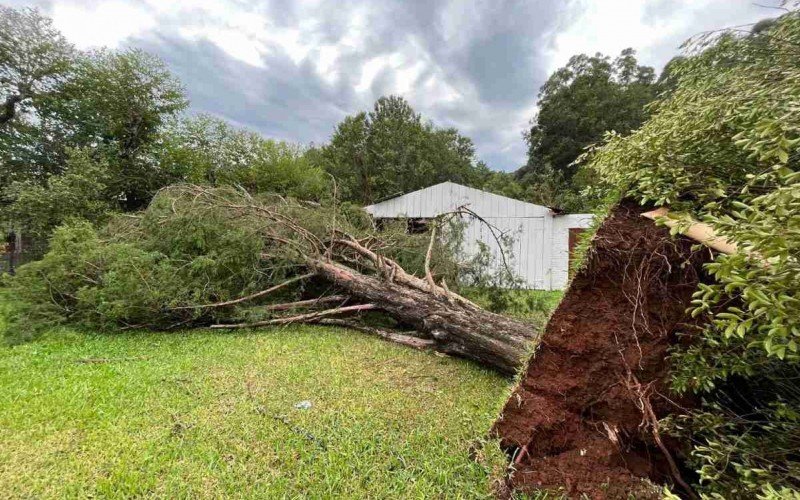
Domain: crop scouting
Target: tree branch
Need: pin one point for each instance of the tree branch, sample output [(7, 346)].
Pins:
[(303, 303), (392, 336), (302, 318), (249, 297), (9, 108)]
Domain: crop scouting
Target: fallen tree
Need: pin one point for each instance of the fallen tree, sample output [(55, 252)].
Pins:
[(201, 256)]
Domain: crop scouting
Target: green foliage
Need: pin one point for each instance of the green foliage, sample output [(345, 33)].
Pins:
[(122, 100), (80, 192), (531, 305), (208, 150), (192, 246), (135, 271), (579, 103), (120, 110), (391, 150), (34, 60), (112, 102), (723, 147)]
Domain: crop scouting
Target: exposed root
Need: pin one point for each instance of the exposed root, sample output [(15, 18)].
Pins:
[(642, 394), (584, 417)]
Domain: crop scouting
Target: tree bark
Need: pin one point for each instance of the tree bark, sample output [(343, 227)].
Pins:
[(455, 327), (9, 108)]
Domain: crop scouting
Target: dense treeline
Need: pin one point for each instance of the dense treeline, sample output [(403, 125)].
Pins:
[(723, 147), (86, 134)]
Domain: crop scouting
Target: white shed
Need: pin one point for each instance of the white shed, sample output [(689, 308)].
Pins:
[(541, 238)]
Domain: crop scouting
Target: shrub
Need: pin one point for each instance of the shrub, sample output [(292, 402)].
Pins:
[(723, 147)]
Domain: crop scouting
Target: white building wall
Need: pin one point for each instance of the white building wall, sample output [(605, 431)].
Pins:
[(559, 242), (541, 246)]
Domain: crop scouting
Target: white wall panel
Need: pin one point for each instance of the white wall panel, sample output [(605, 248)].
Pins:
[(540, 255)]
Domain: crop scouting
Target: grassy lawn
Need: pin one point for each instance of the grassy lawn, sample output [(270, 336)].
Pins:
[(208, 414)]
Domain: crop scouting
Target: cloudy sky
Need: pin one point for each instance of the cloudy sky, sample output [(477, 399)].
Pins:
[(292, 69)]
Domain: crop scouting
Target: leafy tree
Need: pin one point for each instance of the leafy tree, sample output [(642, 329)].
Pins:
[(121, 100), (390, 150), (577, 105), (113, 102), (208, 150), (724, 147), (34, 59), (99, 131), (582, 101), (81, 192), (346, 159)]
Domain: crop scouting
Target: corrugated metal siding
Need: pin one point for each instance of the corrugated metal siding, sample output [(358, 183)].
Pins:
[(525, 257), (540, 255)]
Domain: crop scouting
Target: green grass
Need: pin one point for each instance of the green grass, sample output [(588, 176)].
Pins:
[(532, 305), (207, 414)]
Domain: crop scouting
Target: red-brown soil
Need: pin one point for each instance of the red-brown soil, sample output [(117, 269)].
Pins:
[(577, 420)]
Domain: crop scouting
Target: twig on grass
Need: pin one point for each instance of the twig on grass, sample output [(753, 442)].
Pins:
[(261, 410), (101, 361)]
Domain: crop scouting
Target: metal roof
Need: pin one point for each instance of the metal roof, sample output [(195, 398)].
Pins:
[(447, 196)]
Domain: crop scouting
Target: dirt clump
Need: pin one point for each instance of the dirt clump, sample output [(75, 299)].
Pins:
[(583, 419)]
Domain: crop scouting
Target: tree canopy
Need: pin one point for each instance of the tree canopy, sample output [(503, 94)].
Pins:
[(102, 131), (34, 59), (391, 150), (578, 104), (208, 150)]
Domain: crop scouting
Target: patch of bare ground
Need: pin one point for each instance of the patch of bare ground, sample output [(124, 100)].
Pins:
[(584, 417)]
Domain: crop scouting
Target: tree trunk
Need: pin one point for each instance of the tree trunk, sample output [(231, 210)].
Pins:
[(455, 326), (366, 279)]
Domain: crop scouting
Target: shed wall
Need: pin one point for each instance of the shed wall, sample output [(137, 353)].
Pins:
[(541, 240)]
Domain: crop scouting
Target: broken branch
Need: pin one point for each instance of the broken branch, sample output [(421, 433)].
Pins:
[(301, 318), (251, 296)]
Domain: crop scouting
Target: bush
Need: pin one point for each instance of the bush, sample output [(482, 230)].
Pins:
[(80, 192), (723, 147)]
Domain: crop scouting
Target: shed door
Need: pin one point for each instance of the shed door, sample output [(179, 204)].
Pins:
[(530, 255), (526, 234)]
